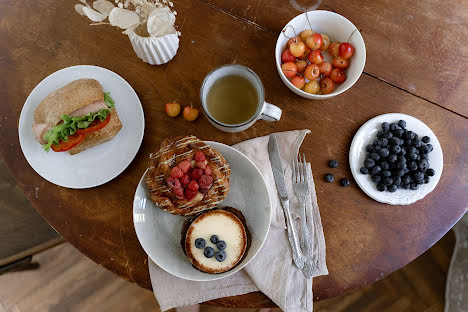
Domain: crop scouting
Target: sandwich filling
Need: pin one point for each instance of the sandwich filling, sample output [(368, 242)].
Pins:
[(71, 130)]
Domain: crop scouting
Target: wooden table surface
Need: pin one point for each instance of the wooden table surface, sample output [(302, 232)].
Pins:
[(416, 64)]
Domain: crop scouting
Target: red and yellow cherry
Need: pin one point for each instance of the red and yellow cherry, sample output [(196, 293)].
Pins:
[(334, 49), (338, 75), (306, 33), (312, 87), (297, 48), (315, 41), (346, 50), (301, 65), (293, 39), (298, 81), (325, 69), (316, 57), (286, 56), (312, 72), (190, 113), (172, 109), (326, 42), (327, 86), (305, 54), (340, 62), (289, 69)]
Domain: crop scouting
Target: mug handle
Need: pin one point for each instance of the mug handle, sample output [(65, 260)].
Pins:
[(270, 112)]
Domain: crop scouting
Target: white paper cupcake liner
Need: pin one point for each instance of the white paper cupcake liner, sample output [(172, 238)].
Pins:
[(155, 51)]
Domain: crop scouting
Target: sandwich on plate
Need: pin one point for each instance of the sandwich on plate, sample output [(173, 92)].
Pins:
[(76, 117)]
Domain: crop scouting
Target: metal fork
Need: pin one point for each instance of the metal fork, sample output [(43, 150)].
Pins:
[(301, 188)]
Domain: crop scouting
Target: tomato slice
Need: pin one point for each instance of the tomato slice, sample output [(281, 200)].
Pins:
[(95, 126), (73, 140)]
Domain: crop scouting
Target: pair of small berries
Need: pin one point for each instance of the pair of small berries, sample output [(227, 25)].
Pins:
[(173, 109)]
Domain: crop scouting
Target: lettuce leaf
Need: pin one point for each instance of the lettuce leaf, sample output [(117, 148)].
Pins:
[(70, 124)]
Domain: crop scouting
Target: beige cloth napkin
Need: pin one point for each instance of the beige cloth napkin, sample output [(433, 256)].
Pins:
[(272, 271)]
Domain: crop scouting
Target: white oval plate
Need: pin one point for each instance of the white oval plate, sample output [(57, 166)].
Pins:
[(160, 232), (367, 134), (96, 165)]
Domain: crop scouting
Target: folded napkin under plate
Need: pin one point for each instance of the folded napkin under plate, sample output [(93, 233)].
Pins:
[(272, 271)]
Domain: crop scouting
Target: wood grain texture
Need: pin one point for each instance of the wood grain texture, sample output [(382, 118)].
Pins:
[(365, 240), (419, 46)]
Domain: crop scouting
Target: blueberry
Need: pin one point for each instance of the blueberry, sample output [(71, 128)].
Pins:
[(399, 172), (401, 159), (406, 179), (414, 186), (382, 142), (388, 181), (412, 135), (426, 179), (392, 188), (405, 170), (417, 144), (402, 124), (377, 148), (430, 172), (376, 178), (394, 126), (345, 181), (364, 170), (386, 173), (333, 163), (426, 139), (221, 245), (220, 256), (385, 126), (200, 243), (395, 149), (396, 180), (413, 156), (376, 169), (430, 147), (387, 135), (384, 165), (411, 150), (418, 177), (208, 252), (381, 187), (214, 239), (393, 165), (329, 177), (403, 152), (423, 164), (379, 134), (398, 133), (369, 163), (392, 158), (402, 142), (384, 152), (425, 156), (407, 142), (406, 186), (395, 141), (375, 156), (413, 166), (370, 148)]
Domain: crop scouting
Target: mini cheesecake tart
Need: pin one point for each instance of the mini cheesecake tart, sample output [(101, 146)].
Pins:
[(186, 176), (216, 241)]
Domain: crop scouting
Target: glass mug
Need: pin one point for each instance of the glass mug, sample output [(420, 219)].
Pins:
[(265, 111)]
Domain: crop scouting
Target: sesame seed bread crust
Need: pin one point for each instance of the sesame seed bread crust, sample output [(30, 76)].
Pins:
[(68, 99), (172, 152)]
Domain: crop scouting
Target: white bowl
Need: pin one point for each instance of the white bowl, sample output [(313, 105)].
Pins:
[(338, 28), (160, 232)]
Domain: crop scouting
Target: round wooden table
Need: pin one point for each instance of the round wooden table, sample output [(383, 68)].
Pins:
[(365, 240)]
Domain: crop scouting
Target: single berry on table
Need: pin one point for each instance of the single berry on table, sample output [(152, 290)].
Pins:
[(344, 182), (209, 252), (329, 178), (220, 255), (333, 163), (200, 243), (214, 239)]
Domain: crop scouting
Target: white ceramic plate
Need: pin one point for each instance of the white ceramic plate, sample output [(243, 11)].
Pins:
[(367, 134), (96, 165), (160, 232)]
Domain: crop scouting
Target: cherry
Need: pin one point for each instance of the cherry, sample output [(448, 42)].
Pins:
[(327, 86), (312, 72), (316, 57), (315, 41), (325, 69), (338, 75), (190, 113), (312, 87), (340, 62), (301, 65), (298, 81), (293, 39), (326, 42), (289, 69), (346, 50), (286, 56), (334, 49), (305, 54), (172, 109), (306, 33), (297, 48)]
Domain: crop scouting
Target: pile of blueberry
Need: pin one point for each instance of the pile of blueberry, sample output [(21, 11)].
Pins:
[(209, 252), (398, 159)]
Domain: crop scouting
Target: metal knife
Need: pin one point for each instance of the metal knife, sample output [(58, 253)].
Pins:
[(275, 160)]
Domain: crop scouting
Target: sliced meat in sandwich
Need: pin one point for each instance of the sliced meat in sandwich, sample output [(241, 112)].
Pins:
[(76, 117)]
